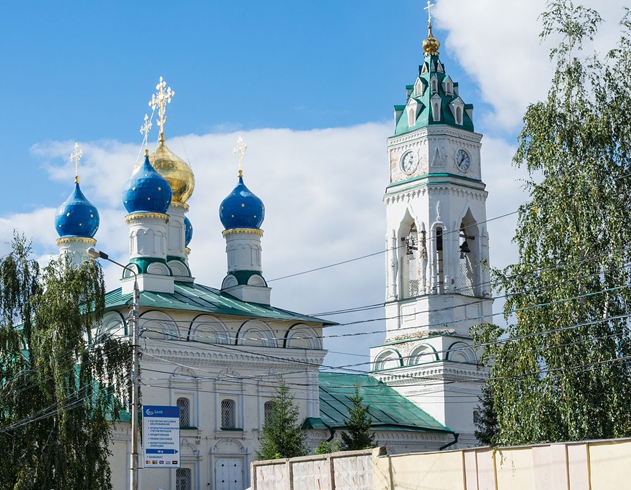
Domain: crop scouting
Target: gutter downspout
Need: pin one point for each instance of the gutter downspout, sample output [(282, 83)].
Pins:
[(333, 435), (455, 441)]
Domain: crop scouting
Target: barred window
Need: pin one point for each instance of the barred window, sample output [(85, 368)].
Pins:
[(185, 411), (228, 414), (267, 410), (183, 479)]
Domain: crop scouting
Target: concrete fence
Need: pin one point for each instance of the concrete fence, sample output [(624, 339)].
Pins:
[(592, 465), (589, 465), (351, 470)]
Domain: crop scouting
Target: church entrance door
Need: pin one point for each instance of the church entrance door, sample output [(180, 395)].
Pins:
[(228, 474)]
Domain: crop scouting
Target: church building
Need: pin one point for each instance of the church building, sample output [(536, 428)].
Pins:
[(219, 353)]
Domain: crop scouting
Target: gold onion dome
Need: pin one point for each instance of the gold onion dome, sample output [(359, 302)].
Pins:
[(431, 44), (175, 170)]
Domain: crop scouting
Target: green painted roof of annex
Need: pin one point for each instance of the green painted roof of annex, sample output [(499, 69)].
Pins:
[(427, 91), (197, 298), (389, 410)]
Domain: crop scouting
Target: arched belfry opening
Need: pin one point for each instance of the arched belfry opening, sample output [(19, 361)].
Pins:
[(470, 267), (410, 286), (440, 262)]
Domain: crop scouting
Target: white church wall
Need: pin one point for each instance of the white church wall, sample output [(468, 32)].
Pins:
[(206, 373)]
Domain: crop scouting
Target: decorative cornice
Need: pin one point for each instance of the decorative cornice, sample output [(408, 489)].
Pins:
[(411, 375), (181, 205), (75, 239), (435, 131), (235, 358), (253, 231), (138, 216)]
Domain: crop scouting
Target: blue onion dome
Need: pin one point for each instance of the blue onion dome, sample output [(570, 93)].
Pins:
[(241, 209), (188, 231), (147, 191), (77, 217)]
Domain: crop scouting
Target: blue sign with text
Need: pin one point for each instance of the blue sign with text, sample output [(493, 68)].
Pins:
[(161, 436)]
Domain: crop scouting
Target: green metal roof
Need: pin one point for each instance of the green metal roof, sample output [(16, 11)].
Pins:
[(389, 410), (425, 117), (195, 297)]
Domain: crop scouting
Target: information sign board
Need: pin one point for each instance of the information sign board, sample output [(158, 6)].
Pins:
[(161, 436)]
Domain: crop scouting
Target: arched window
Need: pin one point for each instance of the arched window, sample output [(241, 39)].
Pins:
[(411, 118), (185, 411), (387, 360), (458, 115), (228, 414), (439, 261), (422, 355), (183, 479), (267, 410), (434, 85), (436, 112), (410, 273)]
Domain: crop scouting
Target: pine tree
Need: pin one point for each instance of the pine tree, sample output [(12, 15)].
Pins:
[(282, 436), (486, 423), (558, 369), (358, 424), (59, 389)]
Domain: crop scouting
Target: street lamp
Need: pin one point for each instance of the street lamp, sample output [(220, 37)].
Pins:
[(97, 254)]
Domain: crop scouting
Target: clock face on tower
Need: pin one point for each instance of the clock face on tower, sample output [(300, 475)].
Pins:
[(463, 160), (409, 161)]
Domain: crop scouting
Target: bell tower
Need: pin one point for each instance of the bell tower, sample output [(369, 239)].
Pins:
[(437, 279)]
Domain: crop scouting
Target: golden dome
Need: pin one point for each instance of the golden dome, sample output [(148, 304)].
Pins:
[(431, 44), (175, 170)]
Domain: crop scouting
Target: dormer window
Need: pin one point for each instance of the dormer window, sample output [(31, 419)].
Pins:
[(459, 115), (418, 88), (434, 84), (436, 107), (457, 109), (448, 86), (411, 117)]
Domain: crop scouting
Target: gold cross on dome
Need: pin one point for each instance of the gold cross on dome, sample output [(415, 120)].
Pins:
[(75, 156), (240, 149), (144, 129), (160, 100), (429, 11)]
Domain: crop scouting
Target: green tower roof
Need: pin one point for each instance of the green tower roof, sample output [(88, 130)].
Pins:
[(433, 89)]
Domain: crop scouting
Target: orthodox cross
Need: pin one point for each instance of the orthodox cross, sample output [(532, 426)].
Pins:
[(75, 156), (240, 150), (160, 100), (144, 129), (429, 11)]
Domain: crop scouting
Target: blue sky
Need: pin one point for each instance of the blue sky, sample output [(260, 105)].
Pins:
[(310, 85), (85, 70)]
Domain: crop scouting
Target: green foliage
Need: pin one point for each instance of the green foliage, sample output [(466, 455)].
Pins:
[(327, 447), (358, 424), (486, 423), (58, 389), (572, 279), (282, 436)]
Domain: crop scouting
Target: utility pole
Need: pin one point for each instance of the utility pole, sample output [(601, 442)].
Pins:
[(135, 367), (134, 393)]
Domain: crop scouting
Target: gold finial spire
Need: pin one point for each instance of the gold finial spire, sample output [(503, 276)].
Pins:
[(431, 44), (144, 130), (429, 12), (160, 100), (75, 156), (240, 149)]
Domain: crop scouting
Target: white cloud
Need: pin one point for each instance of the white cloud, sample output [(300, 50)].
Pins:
[(323, 195), (498, 46)]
